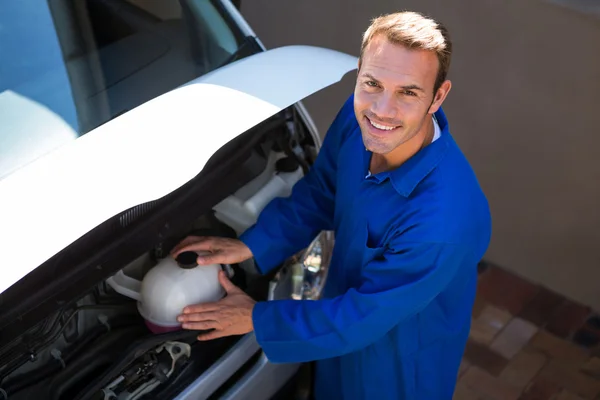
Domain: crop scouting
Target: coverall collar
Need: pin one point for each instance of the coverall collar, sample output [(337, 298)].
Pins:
[(406, 177)]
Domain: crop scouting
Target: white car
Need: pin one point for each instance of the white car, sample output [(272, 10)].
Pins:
[(126, 125)]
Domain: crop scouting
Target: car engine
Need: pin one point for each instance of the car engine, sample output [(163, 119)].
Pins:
[(100, 348), (97, 346)]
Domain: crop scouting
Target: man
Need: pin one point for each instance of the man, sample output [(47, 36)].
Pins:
[(411, 224)]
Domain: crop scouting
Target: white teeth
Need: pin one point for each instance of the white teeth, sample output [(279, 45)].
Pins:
[(383, 127)]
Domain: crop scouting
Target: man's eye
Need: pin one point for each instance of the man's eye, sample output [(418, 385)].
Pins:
[(371, 84), (409, 93)]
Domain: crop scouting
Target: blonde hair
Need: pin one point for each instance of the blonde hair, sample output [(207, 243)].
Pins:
[(414, 31)]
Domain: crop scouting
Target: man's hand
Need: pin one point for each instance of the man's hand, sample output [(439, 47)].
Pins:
[(230, 316), (220, 250)]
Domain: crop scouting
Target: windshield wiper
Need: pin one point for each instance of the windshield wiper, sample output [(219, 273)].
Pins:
[(248, 47)]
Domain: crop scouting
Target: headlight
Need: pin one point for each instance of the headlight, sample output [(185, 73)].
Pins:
[(303, 276)]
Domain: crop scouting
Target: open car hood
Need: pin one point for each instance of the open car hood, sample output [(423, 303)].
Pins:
[(149, 152)]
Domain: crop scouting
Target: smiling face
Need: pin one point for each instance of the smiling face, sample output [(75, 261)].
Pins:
[(394, 99)]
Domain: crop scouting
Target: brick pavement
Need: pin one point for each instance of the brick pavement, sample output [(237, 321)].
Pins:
[(528, 343)]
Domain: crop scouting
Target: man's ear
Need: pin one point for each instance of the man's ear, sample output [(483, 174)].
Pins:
[(440, 96)]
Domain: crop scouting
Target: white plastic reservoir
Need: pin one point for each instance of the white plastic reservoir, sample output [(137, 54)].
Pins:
[(241, 210)]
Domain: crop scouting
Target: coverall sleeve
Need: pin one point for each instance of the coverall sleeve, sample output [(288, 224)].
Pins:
[(287, 225), (394, 286)]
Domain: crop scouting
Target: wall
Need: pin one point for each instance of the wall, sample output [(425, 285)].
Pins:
[(524, 109)]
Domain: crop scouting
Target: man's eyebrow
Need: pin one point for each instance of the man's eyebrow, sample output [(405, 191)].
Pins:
[(412, 87), (404, 87), (371, 77)]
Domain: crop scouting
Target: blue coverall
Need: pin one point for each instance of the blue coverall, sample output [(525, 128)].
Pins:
[(396, 308)]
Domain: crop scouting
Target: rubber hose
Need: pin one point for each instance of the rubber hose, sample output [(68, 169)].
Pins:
[(89, 361), (53, 366), (14, 386)]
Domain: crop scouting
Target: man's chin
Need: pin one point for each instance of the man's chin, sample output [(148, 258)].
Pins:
[(375, 146)]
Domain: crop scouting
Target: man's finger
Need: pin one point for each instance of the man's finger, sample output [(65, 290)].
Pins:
[(188, 240), (203, 316), (208, 258), (201, 308), (204, 245), (199, 326), (226, 283), (212, 335)]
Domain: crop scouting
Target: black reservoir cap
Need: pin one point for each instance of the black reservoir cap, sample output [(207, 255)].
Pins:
[(187, 259)]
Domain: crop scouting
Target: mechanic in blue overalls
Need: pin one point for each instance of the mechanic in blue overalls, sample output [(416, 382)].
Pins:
[(411, 224)]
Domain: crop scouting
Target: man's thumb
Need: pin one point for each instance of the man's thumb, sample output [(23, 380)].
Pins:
[(226, 283)]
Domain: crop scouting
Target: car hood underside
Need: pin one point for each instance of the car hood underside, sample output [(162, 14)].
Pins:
[(150, 151)]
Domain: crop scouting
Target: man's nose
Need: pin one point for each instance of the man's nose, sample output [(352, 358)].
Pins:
[(385, 107)]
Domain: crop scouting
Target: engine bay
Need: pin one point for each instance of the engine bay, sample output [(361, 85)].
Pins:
[(95, 345)]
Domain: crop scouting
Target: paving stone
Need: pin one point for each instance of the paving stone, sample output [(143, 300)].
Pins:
[(593, 322), (540, 389), (542, 307), (481, 356), (513, 337), (478, 306), (565, 395), (463, 392), (523, 367), (568, 318), (464, 366), (571, 379), (592, 367), (490, 321), (506, 290), (489, 387), (560, 349), (586, 337)]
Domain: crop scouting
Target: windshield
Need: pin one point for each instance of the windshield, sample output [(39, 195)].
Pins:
[(68, 66)]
